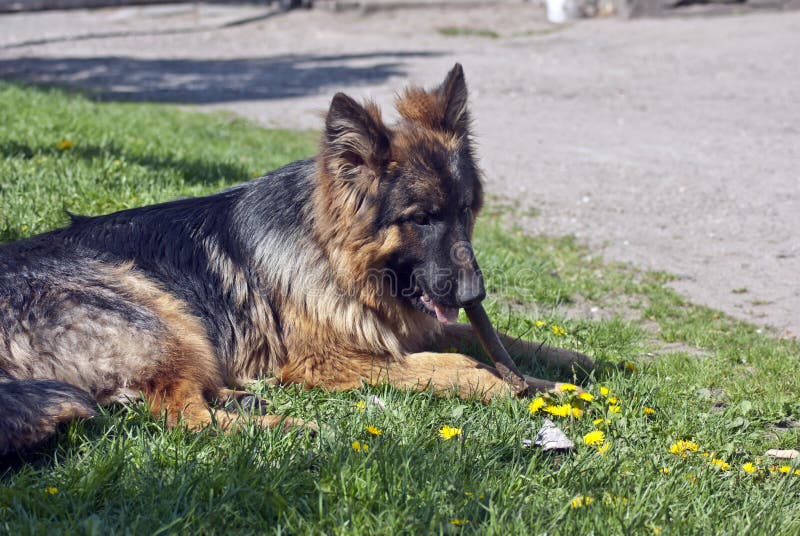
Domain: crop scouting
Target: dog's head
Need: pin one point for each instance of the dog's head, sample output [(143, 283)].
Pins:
[(406, 196)]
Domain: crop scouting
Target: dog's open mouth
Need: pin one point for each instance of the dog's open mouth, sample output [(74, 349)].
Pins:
[(445, 315)]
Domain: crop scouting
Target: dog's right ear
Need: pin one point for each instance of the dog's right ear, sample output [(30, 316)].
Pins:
[(356, 139)]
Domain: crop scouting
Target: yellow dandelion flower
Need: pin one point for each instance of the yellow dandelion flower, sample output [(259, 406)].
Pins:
[(594, 437), (567, 387), (784, 469), (536, 404), (749, 467), (586, 397), (614, 409), (580, 501), (613, 400), (52, 490), (459, 522), (564, 410), (577, 412), (601, 420), (65, 145), (602, 449), (656, 530), (359, 447), (664, 470), (558, 331), (449, 432), (360, 406), (612, 500), (648, 411), (796, 472), (722, 464), (540, 323), (374, 430), (682, 447), (604, 391)]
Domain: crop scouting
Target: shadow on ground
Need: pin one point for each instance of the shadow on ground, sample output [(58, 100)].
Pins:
[(192, 170), (206, 81)]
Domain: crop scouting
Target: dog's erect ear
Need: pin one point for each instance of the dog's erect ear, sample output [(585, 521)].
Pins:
[(355, 136), (444, 108), (453, 99)]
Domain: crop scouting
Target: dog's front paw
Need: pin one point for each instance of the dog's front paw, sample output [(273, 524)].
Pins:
[(294, 425), (248, 403), (537, 386), (546, 387)]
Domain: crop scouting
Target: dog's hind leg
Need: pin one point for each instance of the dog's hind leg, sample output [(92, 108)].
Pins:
[(187, 374), (186, 404), (187, 378)]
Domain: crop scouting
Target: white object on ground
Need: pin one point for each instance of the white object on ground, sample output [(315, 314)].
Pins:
[(561, 11), (550, 437), (783, 454), (374, 401)]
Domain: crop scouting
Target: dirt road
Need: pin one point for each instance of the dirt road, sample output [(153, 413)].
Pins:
[(672, 144)]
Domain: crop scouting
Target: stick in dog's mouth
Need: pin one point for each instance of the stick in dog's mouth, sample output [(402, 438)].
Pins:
[(497, 352)]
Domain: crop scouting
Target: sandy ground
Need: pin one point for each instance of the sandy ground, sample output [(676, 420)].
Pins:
[(672, 144)]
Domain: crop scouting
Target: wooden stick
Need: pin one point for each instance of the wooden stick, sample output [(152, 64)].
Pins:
[(491, 344)]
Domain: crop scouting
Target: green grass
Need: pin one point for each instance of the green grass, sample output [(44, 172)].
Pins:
[(710, 379), (458, 31), (122, 156), (465, 31)]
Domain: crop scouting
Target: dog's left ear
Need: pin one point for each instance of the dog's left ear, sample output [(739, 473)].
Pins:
[(452, 96)]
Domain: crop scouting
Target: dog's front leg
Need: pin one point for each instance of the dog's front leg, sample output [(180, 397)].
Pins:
[(444, 373), (463, 338)]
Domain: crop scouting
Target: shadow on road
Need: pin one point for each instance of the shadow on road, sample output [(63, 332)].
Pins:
[(141, 33), (206, 81)]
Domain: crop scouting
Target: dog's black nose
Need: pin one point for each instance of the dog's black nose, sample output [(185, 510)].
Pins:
[(471, 291)]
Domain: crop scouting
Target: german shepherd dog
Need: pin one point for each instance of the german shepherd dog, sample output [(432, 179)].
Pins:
[(349, 267)]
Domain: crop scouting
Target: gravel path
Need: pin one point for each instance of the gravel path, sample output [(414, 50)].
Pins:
[(672, 144)]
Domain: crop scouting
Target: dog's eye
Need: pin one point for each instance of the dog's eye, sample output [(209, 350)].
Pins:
[(421, 218)]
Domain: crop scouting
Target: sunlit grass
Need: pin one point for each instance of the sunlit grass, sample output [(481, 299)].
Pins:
[(423, 464)]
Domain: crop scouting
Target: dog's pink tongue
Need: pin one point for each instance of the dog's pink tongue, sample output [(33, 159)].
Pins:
[(445, 315)]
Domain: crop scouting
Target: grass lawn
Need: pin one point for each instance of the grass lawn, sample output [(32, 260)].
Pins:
[(693, 375)]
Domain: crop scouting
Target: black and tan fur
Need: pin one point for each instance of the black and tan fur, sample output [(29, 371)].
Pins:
[(312, 274)]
